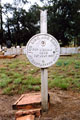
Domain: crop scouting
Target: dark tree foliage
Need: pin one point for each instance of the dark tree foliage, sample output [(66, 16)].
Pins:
[(63, 22), (23, 25), (1, 27)]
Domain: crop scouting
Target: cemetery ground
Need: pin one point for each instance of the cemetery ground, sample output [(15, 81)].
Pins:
[(18, 76)]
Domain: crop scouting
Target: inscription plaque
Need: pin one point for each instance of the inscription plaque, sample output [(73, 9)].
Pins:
[(43, 50)]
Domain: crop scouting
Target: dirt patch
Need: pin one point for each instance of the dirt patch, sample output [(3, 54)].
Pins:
[(6, 112), (64, 106), (2, 66)]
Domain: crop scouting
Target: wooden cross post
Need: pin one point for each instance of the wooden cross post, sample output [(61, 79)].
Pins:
[(44, 72), (43, 50)]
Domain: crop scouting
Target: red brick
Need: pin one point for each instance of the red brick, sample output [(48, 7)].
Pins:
[(27, 107), (28, 117), (32, 99), (6, 56), (36, 112)]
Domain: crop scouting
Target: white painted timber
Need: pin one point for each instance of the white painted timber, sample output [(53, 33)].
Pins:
[(44, 71)]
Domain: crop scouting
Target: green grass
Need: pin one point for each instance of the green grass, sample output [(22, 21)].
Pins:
[(4, 80), (32, 71), (30, 87), (58, 64), (37, 88), (18, 75), (3, 83), (77, 65), (59, 82), (30, 80), (17, 81), (13, 65), (76, 83), (7, 91)]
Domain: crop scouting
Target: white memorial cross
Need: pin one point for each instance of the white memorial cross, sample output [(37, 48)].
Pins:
[(43, 51), (44, 71)]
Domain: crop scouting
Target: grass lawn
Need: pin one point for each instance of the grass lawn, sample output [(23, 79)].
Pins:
[(18, 75)]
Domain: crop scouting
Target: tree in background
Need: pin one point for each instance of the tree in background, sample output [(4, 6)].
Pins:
[(63, 21), (22, 25), (1, 23)]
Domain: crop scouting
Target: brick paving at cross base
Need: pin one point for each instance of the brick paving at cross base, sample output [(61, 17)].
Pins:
[(28, 117), (28, 101), (36, 112), (28, 106)]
